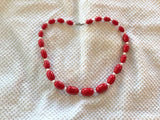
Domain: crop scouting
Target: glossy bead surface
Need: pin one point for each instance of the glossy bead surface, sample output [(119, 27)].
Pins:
[(40, 34), (101, 88), (125, 38), (87, 91), (111, 79), (46, 64), (69, 22), (41, 43), (123, 58), (50, 75), (121, 29), (126, 48), (72, 90), (60, 20), (107, 19), (44, 26), (59, 85), (89, 21), (97, 19), (118, 68), (43, 53), (51, 21), (115, 22)]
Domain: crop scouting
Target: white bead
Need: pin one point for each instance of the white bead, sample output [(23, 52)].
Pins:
[(45, 59), (124, 53), (42, 48), (127, 42), (53, 81), (121, 63), (113, 73), (47, 69), (65, 88), (108, 84), (95, 91)]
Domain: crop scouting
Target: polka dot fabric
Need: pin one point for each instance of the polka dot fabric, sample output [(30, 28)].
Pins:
[(83, 56)]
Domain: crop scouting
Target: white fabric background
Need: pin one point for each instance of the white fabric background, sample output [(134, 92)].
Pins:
[(82, 56)]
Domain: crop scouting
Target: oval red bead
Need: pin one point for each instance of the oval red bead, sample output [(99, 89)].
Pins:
[(87, 91), (101, 88), (41, 43), (89, 21), (121, 29), (69, 22), (126, 48), (111, 79), (40, 34), (125, 38), (72, 90), (60, 20), (115, 22), (43, 53), (59, 85), (46, 64), (97, 19), (107, 19), (44, 26), (50, 75), (51, 21), (118, 68), (123, 58)]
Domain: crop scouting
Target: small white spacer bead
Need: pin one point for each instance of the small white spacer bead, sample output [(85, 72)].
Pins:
[(113, 73), (45, 59), (53, 81), (121, 63), (65, 88), (42, 48), (124, 53), (95, 91), (108, 84), (47, 69), (127, 42)]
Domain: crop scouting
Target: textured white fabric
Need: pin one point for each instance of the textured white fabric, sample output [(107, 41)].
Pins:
[(82, 56)]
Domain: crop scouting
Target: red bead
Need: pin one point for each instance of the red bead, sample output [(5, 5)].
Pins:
[(97, 19), (69, 22), (101, 88), (107, 19), (44, 26), (72, 90), (43, 53), (51, 21), (89, 21), (115, 22), (87, 91), (46, 64), (125, 38), (50, 75), (60, 20), (121, 29), (41, 43), (123, 58), (59, 85), (126, 48), (111, 79), (118, 68), (40, 34)]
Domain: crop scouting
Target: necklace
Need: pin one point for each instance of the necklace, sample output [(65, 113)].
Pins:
[(72, 90)]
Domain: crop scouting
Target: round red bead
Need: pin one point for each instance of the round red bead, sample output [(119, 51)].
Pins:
[(43, 53), (121, 29), (101, 88), (41, 43), (60, 20), (46, 64), (69, 22), (125, 38), (111, 79), (59, 85), (97, 19), (126, 48), (89, 21), (40, 34), (107, 19), (44, 26), (87, 91), (50, 75), (115, 22), (118, 68), (123, 58), (51, 21), (72, 90)]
